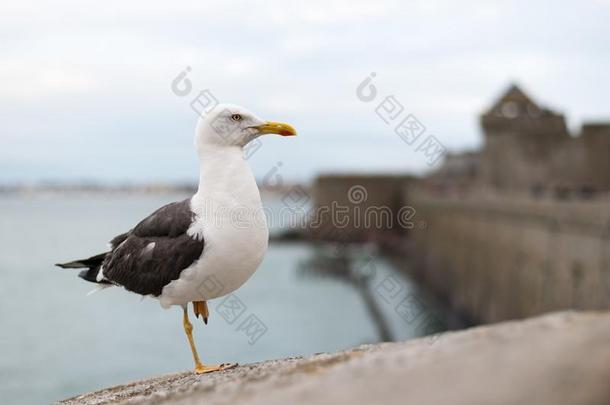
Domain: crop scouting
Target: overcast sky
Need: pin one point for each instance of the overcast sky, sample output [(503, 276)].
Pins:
[(85, 89)]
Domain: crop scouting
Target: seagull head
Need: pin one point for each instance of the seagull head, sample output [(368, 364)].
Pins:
[(232, 125)]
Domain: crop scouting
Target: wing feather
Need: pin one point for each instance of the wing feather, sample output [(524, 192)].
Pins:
[(154, 252)]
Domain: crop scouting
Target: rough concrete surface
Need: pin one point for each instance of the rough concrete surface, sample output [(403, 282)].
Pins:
[(556, 359)]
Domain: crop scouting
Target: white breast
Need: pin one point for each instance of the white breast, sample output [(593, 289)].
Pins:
[(231, 221)]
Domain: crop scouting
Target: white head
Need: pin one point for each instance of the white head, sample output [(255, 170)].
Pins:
[(231, 125)]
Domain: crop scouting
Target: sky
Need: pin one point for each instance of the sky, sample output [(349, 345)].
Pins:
[(86, 87)]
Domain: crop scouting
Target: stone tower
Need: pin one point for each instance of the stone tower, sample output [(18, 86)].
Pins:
[(520, 140)]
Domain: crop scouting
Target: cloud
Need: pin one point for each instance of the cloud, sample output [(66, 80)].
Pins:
[(74, 73)]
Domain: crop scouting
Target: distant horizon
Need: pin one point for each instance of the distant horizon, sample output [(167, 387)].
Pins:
[(177, 184)]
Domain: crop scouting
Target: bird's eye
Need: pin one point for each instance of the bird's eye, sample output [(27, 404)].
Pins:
[(236, 117)]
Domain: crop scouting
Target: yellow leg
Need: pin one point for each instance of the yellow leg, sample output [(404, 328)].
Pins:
[(199, 367)]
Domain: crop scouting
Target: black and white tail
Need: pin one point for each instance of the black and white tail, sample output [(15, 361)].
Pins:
[(92, 264)]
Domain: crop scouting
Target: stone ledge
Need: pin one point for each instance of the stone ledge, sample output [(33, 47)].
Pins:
[(561, 358)]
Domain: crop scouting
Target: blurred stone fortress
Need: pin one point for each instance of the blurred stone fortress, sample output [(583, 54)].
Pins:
[(519, 228), (529, 149), (522, 226)]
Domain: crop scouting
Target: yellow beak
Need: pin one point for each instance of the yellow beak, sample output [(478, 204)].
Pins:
[(280, 128)]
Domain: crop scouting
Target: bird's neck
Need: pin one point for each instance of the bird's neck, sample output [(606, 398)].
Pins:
[(224, 174)]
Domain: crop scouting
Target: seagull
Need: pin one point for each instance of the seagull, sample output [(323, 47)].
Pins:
[(203, 247)]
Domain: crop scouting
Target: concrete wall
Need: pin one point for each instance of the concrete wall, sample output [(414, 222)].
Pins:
[(357, 207), (558, 359), (499, 259)]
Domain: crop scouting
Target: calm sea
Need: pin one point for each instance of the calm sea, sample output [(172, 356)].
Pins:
[(57, 342)]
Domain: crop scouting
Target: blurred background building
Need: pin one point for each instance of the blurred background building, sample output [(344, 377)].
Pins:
[(528, 148), (518, 228)]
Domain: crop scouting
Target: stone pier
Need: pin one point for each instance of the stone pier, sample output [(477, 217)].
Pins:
[(557, 359)]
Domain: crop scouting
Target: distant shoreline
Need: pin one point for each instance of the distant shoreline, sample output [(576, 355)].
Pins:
[(152, 188)]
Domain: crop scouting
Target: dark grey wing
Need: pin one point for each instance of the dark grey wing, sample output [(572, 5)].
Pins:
[(151, 255)]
